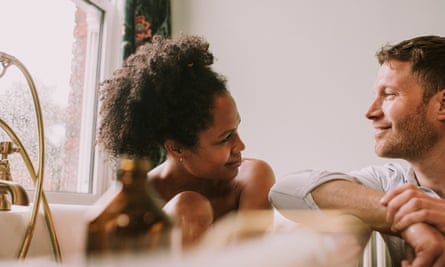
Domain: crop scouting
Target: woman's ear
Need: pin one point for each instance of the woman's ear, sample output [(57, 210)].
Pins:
[(173, 148), (442, 105)]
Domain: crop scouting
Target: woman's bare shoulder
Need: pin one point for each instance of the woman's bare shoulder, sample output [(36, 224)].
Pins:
[(256, 169), (257, 177)]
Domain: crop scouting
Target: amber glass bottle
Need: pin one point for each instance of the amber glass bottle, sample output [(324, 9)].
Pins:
[(133, 220)]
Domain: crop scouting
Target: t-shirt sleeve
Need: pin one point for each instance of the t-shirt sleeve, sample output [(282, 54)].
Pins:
[(293, 191)]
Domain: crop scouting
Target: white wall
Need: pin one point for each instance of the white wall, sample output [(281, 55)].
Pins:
[(301, 70)]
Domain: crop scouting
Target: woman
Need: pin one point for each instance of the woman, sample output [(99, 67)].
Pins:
[(167, 102)]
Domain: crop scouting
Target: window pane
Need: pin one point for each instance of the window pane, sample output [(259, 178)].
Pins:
[(58, 41)]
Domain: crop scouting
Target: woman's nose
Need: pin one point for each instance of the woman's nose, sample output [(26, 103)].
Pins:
[(239, 144)]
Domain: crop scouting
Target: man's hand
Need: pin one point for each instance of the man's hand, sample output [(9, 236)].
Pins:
[(407, 205), (425, 246)]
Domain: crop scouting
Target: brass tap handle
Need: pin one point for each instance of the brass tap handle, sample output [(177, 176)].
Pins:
[(7, 148), (18, 194)]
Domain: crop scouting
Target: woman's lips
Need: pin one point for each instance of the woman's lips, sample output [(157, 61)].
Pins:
[(234, 164)]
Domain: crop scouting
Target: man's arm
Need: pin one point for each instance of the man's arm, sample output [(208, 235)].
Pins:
[(355, 199)]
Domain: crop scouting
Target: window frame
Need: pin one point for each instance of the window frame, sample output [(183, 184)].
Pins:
[(100, 169)]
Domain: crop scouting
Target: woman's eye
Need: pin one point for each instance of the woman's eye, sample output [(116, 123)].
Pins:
[(227, 138)]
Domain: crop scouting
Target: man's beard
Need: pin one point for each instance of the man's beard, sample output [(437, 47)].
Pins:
[(409, 138)]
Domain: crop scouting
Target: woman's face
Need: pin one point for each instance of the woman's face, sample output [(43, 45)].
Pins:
[(218, 153)]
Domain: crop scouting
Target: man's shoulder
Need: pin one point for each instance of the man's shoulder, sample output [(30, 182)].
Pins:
[(389, 169), (382, 177)]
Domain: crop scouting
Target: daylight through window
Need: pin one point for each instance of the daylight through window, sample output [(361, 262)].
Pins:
[(59, 43)]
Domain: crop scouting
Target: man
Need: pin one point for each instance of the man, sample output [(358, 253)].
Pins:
[(408, 115)]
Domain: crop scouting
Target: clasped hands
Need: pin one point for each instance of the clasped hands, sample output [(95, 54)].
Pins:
[(420, 221)]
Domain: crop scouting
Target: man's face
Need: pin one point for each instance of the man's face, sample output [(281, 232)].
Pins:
[(403, 128)]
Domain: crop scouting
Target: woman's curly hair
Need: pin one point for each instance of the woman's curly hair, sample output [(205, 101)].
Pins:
[(164, 91)]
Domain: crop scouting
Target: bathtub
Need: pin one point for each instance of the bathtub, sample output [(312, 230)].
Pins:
[(70, 223), (285, 244)]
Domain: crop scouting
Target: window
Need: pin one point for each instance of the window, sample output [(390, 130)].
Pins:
[(61, 43)]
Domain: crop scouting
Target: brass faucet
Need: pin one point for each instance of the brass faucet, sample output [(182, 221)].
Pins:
[(17, 192), (18, 195)]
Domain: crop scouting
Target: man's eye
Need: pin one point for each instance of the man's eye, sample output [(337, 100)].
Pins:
[(388, 94)]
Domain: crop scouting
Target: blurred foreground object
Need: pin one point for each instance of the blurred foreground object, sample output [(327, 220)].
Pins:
[(286, 244), (133, 220)]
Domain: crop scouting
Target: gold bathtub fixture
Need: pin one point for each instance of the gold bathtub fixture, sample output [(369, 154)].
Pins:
[(6, 61), (18, 194)]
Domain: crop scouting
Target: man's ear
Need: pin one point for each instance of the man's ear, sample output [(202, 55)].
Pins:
[(173, 148)]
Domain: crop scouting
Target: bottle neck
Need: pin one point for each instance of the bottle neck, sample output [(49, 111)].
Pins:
[(133, 169), (129, 178), (134, 163)]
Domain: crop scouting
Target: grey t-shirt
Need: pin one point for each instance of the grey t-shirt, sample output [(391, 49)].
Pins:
[(293, 191)]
